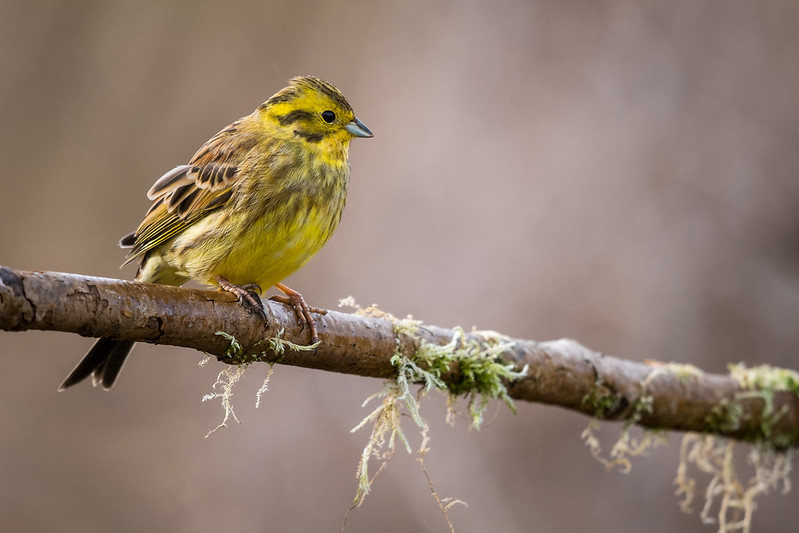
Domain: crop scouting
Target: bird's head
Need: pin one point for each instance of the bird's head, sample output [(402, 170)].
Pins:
[(312, 110)]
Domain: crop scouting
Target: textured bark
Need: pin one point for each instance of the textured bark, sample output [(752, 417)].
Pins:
[(561, 372)]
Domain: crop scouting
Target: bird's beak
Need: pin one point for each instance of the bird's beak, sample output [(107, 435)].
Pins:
[(358, 129)]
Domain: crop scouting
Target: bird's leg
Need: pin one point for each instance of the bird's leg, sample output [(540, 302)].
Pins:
[(303, 310), (247, 295), (251, 288)]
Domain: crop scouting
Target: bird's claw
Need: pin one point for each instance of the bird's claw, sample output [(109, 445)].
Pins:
[(247, 295), (301, 309), (252, 287)]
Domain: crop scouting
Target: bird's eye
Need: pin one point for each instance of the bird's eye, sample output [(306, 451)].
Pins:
[(328, 116)]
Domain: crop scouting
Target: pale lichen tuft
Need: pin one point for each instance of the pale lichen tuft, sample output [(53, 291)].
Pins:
[(468, 365), (728, 501)]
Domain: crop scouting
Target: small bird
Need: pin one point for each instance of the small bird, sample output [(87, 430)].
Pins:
[(253, 205)]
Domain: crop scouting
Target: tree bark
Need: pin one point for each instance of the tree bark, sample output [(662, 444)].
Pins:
[(560, 372)]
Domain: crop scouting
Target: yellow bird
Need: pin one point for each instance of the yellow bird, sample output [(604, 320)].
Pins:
[(253, 205)]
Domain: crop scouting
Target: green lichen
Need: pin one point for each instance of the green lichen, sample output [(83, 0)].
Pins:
[(769, 416), (725, 417), (765, 377), (760, 382), (482, 375), (601, 399), (468, 366), (278, 345), (683, 371), (763, 382), (729, 501), (473, 363), (479, 369), (234, 350)]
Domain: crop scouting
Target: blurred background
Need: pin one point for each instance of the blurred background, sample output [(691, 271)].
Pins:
[(622, 173)]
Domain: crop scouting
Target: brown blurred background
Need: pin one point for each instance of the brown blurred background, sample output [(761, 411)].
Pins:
[(623, 173)]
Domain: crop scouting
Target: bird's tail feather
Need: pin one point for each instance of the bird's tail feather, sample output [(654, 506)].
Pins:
[(103, 363)]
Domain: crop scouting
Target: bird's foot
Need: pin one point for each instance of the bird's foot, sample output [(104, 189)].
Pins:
[(302, 309), (248, 295)]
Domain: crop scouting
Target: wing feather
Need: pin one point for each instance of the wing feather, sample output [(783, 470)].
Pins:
[(187, 193)]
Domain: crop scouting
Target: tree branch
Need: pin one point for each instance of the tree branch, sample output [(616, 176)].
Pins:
[(756, 405)]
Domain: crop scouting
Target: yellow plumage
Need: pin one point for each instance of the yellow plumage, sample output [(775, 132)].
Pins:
[(252, 206)]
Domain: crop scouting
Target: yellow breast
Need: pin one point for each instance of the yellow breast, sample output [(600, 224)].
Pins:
[(263, 238)]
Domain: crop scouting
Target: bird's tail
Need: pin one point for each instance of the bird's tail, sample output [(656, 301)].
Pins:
[(103, 363), (105, 359)]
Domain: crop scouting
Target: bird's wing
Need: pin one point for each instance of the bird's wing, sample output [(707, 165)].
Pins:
[(187, 193)]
